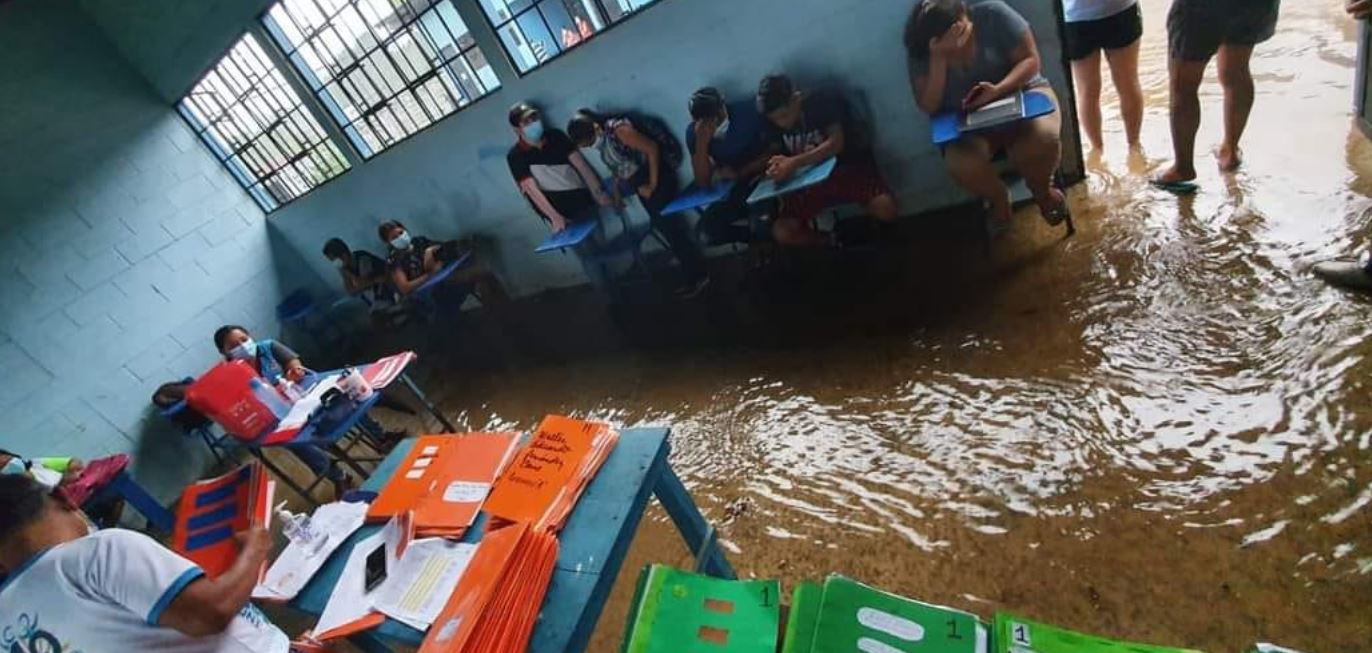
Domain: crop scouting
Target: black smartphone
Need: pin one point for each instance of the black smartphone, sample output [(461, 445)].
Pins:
[(376, 568)]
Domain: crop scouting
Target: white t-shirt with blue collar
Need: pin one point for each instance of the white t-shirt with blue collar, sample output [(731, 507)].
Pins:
[(105, 593)]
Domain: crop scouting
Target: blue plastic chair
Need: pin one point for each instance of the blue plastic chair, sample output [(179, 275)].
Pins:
[(219, 446)]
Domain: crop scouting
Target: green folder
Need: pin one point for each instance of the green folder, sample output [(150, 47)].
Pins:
[(800, 627), (855, 617), (679, 612), (1018, 635)]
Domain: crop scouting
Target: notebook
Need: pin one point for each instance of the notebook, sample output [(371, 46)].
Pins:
[(1020, 635), (681, 612), (211, 512), (853, 616)]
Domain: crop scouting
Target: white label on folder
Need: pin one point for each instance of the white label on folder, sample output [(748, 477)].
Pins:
[(422, 463), (466, 492), (891, 624), (415, 474), (449, 629), (429, 450), (869, 645)]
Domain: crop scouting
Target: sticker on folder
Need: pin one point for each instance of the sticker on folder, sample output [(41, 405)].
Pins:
[(465, 492), (541, 485)]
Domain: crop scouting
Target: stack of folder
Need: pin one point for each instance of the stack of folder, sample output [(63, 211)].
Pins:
[(679, 612), (547, 477), (211, 512), (1021, 635), (845, 615), (498, 599), (444, 481)]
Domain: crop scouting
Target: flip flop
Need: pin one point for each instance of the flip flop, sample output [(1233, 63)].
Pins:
[(1175, 187)]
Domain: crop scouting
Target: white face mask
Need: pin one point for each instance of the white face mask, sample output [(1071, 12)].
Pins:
[(723, 131), (340, 264), (244, 352), (402, 241)]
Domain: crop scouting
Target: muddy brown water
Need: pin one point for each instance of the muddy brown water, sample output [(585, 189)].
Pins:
[(1157, 430)]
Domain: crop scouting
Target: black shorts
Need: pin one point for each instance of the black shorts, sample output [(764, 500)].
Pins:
[(1088, 37), (1197, 28)]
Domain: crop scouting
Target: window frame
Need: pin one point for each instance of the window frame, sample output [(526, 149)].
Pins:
[(319, 88), (514, 18), (222, 149)]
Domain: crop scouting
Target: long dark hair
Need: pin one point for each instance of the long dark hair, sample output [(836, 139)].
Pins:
[(581, 128), (928, 21)]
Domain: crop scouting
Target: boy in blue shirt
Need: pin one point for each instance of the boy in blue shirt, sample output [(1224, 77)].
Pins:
[(727, 142)]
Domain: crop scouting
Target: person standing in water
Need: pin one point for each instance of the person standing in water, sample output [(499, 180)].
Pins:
[(1113, 27), (1199, 30)]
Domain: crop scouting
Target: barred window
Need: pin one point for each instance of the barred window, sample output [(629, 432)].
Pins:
[(384, 69), (535, 32), (258, 127)]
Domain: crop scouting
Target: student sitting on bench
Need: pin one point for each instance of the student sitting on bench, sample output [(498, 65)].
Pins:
[(639, 154), (811, 128), (413, 260), (363, 272), (727, 141), (964, 57), (69, 589)]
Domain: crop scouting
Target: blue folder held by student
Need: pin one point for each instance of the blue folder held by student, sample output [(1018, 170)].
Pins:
[(951, 125)]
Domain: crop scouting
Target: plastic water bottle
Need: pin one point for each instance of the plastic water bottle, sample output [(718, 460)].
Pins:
[(269, 397), (290, 390)]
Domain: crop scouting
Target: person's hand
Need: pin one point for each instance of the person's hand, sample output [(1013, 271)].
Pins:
[(75, 466), (602, 199), (951, 40), (646, 190), (781, 168), (295, 374), (981, 95), (559, 224), (1359, 9), (705, 130), (253, 538)]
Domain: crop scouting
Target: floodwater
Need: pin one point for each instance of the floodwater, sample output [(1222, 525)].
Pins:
[(1156, 430)]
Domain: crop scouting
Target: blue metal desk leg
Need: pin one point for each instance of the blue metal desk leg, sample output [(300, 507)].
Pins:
[(134, 494), (692, 525), (428, 405)]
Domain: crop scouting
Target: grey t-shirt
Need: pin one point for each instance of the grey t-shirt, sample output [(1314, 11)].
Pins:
[(998, 30)]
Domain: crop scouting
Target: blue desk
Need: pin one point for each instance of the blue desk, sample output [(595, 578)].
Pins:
[(803, 179), (946, 127), (441, 276), (573, 235), (696, 198), (592, 546)]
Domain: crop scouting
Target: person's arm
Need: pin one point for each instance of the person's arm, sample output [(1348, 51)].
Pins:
[(291, 365), (535, 194), (759, 165), (649, 148), (404, 284), (431, 263), (207, 606), (701, 165), (781, 168), (930, 83), (591, 177), (1027, 67)]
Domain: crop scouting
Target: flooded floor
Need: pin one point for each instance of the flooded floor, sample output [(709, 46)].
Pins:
[(1157, 430)]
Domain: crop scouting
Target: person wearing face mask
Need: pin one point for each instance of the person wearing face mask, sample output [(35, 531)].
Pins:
[(413, 260), (963, 57), (273, 362), (636, 151), (727, 141), (551, 173), (363, 272)]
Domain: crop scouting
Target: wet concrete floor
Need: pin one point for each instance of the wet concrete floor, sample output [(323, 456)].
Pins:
[(1156, 430)]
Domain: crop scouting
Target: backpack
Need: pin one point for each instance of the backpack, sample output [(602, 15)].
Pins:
[(168, 395), (673, 154)]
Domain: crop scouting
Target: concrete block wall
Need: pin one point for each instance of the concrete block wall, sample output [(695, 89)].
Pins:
[(452, 178), (123, 244)]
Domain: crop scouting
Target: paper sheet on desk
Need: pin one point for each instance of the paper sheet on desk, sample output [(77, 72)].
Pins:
[(301, 411), (416, 589), (298, 563), (350, 601)]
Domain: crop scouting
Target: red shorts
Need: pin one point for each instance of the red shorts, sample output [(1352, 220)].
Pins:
[(852, 182)]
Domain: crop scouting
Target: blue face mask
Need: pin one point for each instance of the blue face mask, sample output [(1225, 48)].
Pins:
[(533, 132), (15, 465), (244, 352), (402, 241)]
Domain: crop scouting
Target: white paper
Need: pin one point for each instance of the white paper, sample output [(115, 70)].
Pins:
[(350, 600), (416, 589), (301, 410), (332, 523), (466, 492)]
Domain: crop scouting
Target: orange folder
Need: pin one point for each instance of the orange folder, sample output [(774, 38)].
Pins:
[(459, 618), (211, 512), (547, 476), (445, 480)]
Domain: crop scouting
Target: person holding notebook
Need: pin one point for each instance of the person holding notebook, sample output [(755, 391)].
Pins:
[(68, 589), (963, 57)]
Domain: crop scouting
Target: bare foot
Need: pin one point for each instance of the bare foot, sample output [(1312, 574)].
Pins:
[(1230, 158), (1174, 175)]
